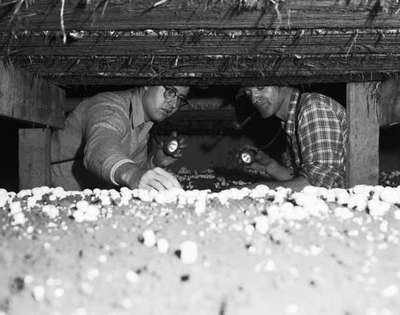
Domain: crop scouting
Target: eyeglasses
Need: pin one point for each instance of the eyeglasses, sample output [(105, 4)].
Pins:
[(248, 91), (171, 92)]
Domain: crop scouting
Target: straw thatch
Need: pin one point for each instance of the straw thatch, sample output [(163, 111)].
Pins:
[(202, 41)]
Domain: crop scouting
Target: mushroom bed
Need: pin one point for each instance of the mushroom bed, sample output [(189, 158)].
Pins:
[(238, 251)]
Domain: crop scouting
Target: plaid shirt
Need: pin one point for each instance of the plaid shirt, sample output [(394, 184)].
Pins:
[(317, 140)]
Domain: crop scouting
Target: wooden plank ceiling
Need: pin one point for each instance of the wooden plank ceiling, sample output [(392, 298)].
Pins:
[(232, 42)]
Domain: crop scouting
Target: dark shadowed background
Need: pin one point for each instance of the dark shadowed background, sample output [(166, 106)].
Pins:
[(208, 149)]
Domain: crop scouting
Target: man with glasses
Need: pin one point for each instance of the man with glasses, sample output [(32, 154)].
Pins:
[(105, 141)]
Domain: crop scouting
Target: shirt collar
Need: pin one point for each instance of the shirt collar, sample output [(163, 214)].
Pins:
[(289, 125), (136, 110)]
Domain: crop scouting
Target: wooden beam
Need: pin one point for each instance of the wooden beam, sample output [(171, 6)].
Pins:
[(232, 42), (29, 98), (128, 81), (184, 14), (169, 42), (34, 158), (363, 145), (211, 69)]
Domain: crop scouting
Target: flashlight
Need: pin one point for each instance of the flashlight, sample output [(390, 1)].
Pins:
[(247, 156), (171, 146)]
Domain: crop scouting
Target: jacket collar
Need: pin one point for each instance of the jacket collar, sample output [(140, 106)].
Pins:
[(136, 110), (290, 123)]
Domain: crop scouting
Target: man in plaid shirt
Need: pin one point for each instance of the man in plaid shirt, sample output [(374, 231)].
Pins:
[(316, 130)]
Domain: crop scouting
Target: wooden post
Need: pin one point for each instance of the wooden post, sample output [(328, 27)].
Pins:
[(28, 98), (363, 146), (389, 102), (34, 158)]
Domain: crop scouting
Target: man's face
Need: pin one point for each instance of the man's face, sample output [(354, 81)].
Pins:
[(160, 102), (265, 99)]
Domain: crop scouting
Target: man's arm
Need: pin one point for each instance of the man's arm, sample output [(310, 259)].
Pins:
[(280, 175), (153, 179), (104, 154), (105, 127), (322, 145)]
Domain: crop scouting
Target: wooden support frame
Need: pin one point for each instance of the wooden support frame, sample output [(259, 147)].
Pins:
[(27, 98), (363, 146), (34, 158), (389, 102), (196, 42)]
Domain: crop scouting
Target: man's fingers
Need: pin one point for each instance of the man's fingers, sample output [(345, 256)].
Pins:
[(183, 145), (152, 183), (149, 182), (261, 154), (147, 186), (160, 143), (158, 186), (168, 176), (161, 180), (263, 158), (177, 154), (171, 178), (160, 171), (258, 166), (255, 167)]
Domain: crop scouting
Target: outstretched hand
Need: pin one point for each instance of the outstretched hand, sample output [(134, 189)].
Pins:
[(154, 178), (266, 165), (158, 179)]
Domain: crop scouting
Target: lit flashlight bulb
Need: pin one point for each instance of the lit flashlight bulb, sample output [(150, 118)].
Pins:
[(171, 146), (246, 156)]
